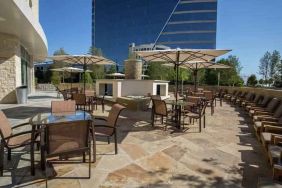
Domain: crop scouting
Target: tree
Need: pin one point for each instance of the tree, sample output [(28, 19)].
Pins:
[(112, 69), (88, 78), (60, 51), (252, 80), (231, 76), (98, 71), (274, 64), (265, 64), (260, 81)]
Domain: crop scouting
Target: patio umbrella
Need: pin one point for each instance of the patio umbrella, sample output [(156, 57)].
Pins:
[(116, 74), (83, 60), (70, 70), (194, 66), (179, 57)]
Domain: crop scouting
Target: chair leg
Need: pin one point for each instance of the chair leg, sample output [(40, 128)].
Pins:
[(83, 157), (103, 108), (1, 158), (32, 159), (204, 120), (89, 162), (116, 147), (43, 163), (108, 138), (200, 124), (9, 154)]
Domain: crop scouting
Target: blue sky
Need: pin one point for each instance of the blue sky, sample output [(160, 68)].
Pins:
[(248, 27)]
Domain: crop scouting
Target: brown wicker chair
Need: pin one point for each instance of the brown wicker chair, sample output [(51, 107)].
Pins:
[(81, 102), (262, 104), (12, 141), (210, 98), (160, 109), (63, 106), (256, 101), (106, 127), (199, 114), (65, 139), (248, 98)]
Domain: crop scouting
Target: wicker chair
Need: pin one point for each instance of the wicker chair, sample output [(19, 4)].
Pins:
[(13, 141), (63, 106), (67, 138), (160, 109), (198, 115), (106, 127), (262, 104), (256, 100), (210, 98), (81, 102)]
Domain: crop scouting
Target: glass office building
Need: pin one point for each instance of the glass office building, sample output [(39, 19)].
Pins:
[(118, 23)]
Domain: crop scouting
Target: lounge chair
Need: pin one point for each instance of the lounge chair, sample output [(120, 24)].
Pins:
[(269, 109)]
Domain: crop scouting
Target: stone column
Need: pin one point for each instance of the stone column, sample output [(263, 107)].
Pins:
[(133, 69)]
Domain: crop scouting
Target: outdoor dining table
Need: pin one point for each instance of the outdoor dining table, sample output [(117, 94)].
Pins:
[(41, 119), (178, 106)]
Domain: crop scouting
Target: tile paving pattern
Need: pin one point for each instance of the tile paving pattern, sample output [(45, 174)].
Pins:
[(225, 154)]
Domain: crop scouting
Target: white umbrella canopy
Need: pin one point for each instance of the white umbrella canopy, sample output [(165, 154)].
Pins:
[(116, 74), (70, 69), (84, 60), (180, 57)]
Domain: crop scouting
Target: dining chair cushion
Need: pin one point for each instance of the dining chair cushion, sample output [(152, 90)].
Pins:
[(19, 140), (5, 126)]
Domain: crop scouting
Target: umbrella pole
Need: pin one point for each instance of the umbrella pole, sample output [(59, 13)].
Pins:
[(177, 76), (71, 79), (195, 80), (84, 70)]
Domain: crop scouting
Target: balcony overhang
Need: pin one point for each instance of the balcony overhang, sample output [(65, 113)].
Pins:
[(16, 18)]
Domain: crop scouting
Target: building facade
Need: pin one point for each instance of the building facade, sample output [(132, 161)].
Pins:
[(172, 23), (22, 42)]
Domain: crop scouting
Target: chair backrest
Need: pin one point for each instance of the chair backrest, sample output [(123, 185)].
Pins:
[(193, 99), (159, 107), (271, 106), (63, 106), (258, 98), (203, 109), (114, 114), (5, 126), (265, 101), (156, 97), (278, 112), (65, 94), (244, 94), (249, 96), (209, 95), (67, 137), (79, 98)]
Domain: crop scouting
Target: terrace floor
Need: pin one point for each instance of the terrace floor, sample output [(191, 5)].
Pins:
[(224, 154)]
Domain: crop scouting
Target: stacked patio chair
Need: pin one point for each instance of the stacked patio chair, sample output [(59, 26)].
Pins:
[(106, 127), (240, 98), (10, 141)]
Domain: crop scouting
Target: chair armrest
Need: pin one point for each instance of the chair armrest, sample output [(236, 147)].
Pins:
[(20, 125), (273, 129), (18, 134), (101, 118), (262, 113), (104, 126), (267, 118), (277, 140)]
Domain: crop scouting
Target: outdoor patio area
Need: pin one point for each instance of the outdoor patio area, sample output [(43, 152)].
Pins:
[(224, 154)]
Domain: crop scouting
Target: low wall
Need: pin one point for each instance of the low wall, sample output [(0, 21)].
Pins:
[(261, 91), (51, 87)]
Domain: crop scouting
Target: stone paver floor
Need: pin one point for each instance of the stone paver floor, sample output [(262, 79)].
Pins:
[(224, 154)]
